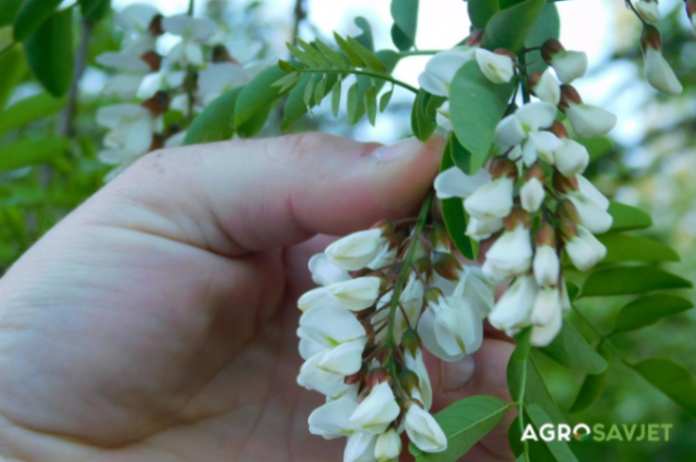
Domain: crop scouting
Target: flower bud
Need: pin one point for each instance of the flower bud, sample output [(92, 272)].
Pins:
[(513, 309), (455, 183), (569, 65), (648, 10), (356, 250), (326, 327), (377, 411), (413, 360), (592, 207), (360, 447), (584, 250), (446, 265), (388, 446), (571, 158), (586, 120), (658, 72), (483, 228), (497, 67), (543, 334), (546, 303), (313, 377), (564, 184), (540, 144), (532, 191), (546, 263), (492, 200), (546, 87), (423, 430)]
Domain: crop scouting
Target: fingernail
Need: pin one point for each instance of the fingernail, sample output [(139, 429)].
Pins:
[(455, 375), (404, 148)]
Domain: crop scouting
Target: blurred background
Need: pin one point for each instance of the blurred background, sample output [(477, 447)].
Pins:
[(649, 159)]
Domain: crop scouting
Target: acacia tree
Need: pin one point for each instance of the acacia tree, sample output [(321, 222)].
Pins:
[(509, 214)]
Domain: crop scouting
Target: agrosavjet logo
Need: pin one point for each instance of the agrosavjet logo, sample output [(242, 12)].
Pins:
[(627, 432)]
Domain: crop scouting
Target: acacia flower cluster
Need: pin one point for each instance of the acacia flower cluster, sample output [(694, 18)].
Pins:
[(383, 295), (531, 203), (161, 91)]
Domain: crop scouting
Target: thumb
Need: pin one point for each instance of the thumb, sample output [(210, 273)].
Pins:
[(249, 195)]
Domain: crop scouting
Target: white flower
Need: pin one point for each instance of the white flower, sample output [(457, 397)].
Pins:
[(377, 410), (496, 67), (411, 301), (659, 73), (511, 254), (325, 272), (360, 447), (162, 80), (483, 228), (588, 120), (532, 194), (547, 88), (313, 377), (569, 65), (540, 144), (592, 210), (423, 430), (331, 420), (451, 327), (571, 157), (175, 140), (544, 333), (388, 446), (414, 362), (546, 303), (474, 286), (130, 135), (584, 250), (455, 183), (492, 200), (546, 265), (513, 310), (326, 327), (648, 10), (123, 61), (355, 251), (530, 118), (122, 86), (343, 359), (136, 17), (193, 32), (440, 70), (589, 190), (218, 78), (352, 294)]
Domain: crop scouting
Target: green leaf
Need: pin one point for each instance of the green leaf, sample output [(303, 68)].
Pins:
[(371, 104), (622, 247), (257, 95), (453, 210), (8, 11), (476, 107), (13, 67), (32, 14), (465, 422), (423, 112), (365, 37), (31, 151), (538, 393), (50, 53), (480, 11), (336, 98), (671, 379), (95, 10), (385, 98), (353, 107), (509, 28), (28, 110), (460, 156), (405, 15), (216, 121), (590, 390), (627, 217), (572, 350), (547, 26), (295, 106), (559, 449), (648, 310), (631, 280)]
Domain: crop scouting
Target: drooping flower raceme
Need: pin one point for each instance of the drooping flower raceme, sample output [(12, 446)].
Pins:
[(363, 347), (171, 85)]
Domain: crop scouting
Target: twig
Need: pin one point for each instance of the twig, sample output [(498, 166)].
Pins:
[(67, 122)]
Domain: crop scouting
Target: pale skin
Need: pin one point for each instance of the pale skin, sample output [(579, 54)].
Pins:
[(157, 321)]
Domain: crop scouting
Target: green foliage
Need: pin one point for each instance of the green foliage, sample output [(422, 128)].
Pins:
[(95, 10), (365, 37), (627, 217), (476, 107), (547, 26), (28, 110), (257, 96), (559, 449), (453, 213), (631, 280), (672, 379), (50, 53), (405, 14), (8, 11), (572, 350), (480, 11), (423, 114), (649, 309), (509, 27), (216, 122), (465, 422), (30, 152), (13, 67), (624, 247), (591, 389), (31, 16)]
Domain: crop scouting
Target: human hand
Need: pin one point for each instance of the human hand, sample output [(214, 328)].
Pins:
[(157, 321)]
